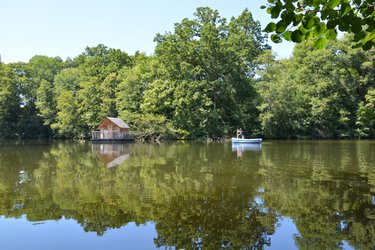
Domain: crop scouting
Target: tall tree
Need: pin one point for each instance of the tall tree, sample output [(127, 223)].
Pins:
[(10, 102), (46, 102), (133, 83), (40, 99), (284, 105), (69, 122), (88, 97), (206, 88), (48, 93), (366, 115), (108, 90)]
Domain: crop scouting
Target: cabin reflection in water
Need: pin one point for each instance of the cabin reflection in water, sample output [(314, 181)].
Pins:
[(240, 148), (111, 154)]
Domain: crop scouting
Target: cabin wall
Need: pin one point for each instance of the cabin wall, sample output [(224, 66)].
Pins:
[(110, 130), (113, 128), (109, 126)]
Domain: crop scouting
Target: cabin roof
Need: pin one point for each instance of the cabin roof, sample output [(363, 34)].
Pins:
[(118, 122)]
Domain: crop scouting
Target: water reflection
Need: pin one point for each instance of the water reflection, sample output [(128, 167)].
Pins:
[(198, 195), (111, 154), (240, 148)]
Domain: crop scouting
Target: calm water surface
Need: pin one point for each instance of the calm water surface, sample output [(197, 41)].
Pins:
[(280, 195)]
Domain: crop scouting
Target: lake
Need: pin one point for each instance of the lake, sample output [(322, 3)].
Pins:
[(187, 195)]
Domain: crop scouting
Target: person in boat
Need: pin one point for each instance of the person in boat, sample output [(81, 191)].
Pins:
[(240, 133)]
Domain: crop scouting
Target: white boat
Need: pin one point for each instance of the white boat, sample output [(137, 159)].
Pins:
[(241, 140)]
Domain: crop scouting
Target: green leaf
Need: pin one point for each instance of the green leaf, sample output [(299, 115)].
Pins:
[(297, 19), (308, 22), (332, 24), (370, 28), (331, 34), (357, 45), (369, 21), (271, 27), (320, 43), (275, 38), (343, 26), (345, 9), (358, 36), (297, 36), (356, 25), (281, 26), (287, 35), (367, 45), (302, 29), (263, 7), (319, 29), (324, 15), (289, 18), (369, 37), (290, 7), (316, 3), (316, 19), (275, 11), (309, 35), (333, 3)]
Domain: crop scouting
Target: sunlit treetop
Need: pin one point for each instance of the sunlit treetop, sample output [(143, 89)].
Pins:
[(300, 20)]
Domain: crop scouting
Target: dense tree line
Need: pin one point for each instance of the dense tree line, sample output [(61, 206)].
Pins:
[(327, 93), (205, 79)]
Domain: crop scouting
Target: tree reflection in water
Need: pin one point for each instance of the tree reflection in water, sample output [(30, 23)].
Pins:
[(198, 195)]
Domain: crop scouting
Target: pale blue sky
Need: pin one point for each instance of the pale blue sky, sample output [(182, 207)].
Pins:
[(65, 28)]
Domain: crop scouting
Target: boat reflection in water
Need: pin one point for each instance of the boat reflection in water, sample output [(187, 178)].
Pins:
[(242, 147), (111, 154)]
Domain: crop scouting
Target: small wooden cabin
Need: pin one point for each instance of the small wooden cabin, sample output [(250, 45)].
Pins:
[(112, 128)]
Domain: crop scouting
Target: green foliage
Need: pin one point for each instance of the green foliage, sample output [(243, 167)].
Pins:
[(18, 114), (100, 61), (44, 68), (133, 82), (69, 122), (200, 79), (321, 20), (108, 90), (317, 93), (91, 86), (67, 79), (207, 77), (152, 126), (366, 115), (9, 102), (283, 108), (49, 92), (89, 100), (46, 102), (206, 85), (37, 92)]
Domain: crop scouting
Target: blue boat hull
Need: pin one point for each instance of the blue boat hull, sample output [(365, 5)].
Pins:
[(240, 140)]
